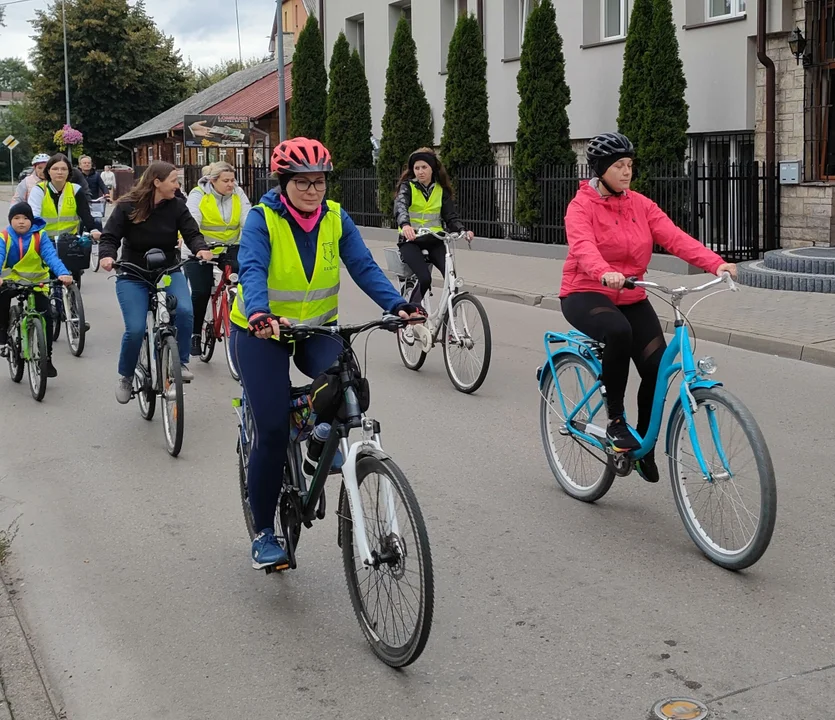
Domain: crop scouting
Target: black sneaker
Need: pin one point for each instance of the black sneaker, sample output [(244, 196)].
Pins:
[(620, 437), (51, 372), (196, 346), (647, 468)]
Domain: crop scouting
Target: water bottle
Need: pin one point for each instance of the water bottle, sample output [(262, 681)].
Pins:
[(315, 443)]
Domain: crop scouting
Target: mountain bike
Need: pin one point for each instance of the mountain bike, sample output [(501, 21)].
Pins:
[(704, 422), (67, 308), (381, 530), (455, 322), (158, 372), (27, 336), (220, 326)]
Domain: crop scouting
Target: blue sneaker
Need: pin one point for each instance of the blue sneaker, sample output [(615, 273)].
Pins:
[(267, 552), (338, 461)]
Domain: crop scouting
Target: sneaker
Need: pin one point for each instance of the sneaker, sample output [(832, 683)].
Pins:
[(647, 468), (186, 374), (423, 336), (196, 346), (408, 335), (123, 390), (51, 372), (4, 351), (620, 436), (267, 551)]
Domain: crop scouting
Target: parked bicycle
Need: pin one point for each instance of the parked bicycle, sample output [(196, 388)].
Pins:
[(704, 422), (459, 322), (158, 372), (219, 327), (27, 336), (381, 531)]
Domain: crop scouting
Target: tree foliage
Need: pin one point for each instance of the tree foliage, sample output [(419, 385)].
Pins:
[(201, 78), (310, 84), (542, 138), (633, 96), (348, 127), (14, 75), (123, 72), (407, 120), (13, 121)]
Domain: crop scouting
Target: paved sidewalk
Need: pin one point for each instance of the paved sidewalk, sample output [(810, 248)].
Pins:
[(790, 324)]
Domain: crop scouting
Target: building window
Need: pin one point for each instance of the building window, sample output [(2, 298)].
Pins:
[(355, 33), (201, 157), (239, 157), (462, 7), (614, 19), (150, 155), (296, 13), (516, 13), (397, 10), (721, 9), (285, 21), (178, 154), (451, 10), (819, 94), (525, 8)]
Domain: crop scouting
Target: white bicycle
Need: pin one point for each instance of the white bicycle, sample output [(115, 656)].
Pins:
[(459, 322)]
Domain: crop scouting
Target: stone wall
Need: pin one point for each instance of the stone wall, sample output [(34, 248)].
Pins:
[(806, 210)]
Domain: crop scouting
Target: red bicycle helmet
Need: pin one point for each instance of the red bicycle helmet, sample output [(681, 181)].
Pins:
[(300, 155)]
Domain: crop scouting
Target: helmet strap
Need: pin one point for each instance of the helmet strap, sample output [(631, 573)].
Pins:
[(606, 185)]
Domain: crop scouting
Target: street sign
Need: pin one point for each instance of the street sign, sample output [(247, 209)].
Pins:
[(8, 140), (13, 144)]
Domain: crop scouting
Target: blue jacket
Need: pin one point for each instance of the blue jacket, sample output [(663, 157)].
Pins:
[(255, 250), (48, 252)]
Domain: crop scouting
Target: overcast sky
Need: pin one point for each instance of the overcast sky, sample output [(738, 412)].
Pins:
[(203, 30)]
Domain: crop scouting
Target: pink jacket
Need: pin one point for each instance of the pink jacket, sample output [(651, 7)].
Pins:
[(616, 234)]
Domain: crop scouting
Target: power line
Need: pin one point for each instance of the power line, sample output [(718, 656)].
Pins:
[(14, 2)]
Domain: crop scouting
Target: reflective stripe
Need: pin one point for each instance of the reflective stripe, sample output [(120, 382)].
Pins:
[(426, 212), (63, 219), (5, 273), (319, 319), (220, 228), (212, 224), (301, 296)]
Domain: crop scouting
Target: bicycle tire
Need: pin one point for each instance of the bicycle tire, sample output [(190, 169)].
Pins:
[(172, 380), (407, 352), (230, 363), (56, 314), (145, 395), (14, 358), (758, 544), (38, 362), (243, 450), (207, 341), (94, 251), (410, 651), (488, 345), (567, 483), (76, 305)]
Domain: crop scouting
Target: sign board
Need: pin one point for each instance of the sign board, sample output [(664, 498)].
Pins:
[(8, 140), (13, 144), (202, 131)]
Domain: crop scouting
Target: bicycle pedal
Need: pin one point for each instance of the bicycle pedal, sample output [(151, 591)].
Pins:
[(277, 568), (308, 524)]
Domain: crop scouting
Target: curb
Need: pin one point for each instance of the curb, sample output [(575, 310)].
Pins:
[(745, 341), (23, 693)]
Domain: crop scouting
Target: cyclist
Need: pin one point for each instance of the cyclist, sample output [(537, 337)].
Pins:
[(24, 257), (289, 258), (148, 218), (611, 231), (220, 208), (25, 186)]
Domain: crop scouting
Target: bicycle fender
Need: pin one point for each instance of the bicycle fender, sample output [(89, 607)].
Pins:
[(592, 362), (701, 383), (366, 451)]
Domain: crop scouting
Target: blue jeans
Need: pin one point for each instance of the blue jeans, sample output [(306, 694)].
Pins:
[(133, 297), (264, 366)]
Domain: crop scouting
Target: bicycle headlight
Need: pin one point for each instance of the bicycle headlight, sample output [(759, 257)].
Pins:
[(233, 278), (707, 365), (164, 316), (459, 283)]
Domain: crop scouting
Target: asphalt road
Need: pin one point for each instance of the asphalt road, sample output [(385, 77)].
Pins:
[(132, 568)]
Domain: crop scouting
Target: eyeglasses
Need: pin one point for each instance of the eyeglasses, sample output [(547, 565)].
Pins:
[(303, 185)]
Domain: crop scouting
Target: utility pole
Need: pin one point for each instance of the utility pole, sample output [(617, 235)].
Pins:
[(66, 71), (279, 54)]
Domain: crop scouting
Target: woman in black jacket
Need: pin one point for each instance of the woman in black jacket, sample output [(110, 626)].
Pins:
[(149, 217)]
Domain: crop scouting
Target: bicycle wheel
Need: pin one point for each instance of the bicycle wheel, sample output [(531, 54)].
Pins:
[(56, 313), (383, 594), (245, 435), (94, 256), (734, 536), (582, 470), (38, 360), (14, 356), (74, 314), (467, 359), (173, 404), (207, 341), (411, 351), (143, 385), (230, 362)]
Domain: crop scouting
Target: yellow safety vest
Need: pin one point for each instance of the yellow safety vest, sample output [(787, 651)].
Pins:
[(212, 224), (30, 267), (425, 213), (291, 295), (62, 219)]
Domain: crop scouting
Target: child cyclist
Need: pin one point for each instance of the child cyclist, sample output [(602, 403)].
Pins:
[(27, 255)]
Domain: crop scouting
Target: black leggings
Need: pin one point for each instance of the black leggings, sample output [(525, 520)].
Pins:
[(412, 254), (629, 331), (42, 306), (201, 280)]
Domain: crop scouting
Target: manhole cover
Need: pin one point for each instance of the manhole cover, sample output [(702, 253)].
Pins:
[(679, 709)]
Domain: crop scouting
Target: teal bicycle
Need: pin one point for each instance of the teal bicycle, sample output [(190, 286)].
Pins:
[(726, 497)]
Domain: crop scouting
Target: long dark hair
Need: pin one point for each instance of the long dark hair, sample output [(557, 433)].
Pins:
[(141, 195), (439, 173), (54, 160)]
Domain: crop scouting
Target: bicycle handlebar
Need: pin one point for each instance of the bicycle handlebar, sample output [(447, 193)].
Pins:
[(632, 283), (29, 287), (442, 234), (392, 323)]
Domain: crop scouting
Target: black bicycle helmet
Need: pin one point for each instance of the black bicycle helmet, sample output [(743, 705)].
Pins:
[(606, 149)]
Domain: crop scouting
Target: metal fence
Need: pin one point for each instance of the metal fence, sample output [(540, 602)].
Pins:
[(721, 204), (253, 179)]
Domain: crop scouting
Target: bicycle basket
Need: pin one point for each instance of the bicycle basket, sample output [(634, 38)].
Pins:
[(74, 252), (395, 263)]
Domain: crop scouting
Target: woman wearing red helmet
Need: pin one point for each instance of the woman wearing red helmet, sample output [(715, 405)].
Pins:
[(289, 256)]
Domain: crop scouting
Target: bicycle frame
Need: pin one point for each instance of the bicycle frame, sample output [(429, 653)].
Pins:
[(29, 313), (221, 324)]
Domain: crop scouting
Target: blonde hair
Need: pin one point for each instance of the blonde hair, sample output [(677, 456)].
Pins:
[(216, 169), (205, 170)]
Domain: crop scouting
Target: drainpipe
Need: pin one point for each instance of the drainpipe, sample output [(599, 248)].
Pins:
[(769, 215)]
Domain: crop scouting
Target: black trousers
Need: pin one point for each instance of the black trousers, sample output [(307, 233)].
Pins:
[(630, 332), (42, 306), (412, 255), (201, 280)]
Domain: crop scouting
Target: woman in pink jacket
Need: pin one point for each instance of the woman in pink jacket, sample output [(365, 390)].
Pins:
[(611, 231)]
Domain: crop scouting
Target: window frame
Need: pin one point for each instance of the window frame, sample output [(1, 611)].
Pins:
[(623, 26), (355, 32), (738, 9), (525, 10)]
